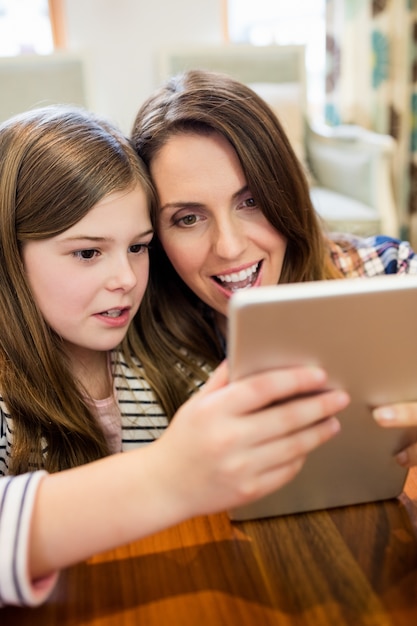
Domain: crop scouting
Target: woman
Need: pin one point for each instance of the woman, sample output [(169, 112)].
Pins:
[(234, 212)]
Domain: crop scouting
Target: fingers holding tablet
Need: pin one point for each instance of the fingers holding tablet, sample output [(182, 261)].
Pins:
[(397, 416)]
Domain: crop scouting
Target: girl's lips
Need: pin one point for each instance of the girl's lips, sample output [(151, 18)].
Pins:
[(114, 317)]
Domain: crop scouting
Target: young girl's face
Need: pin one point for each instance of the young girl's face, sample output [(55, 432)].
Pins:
[(88, 281), (214, 234)]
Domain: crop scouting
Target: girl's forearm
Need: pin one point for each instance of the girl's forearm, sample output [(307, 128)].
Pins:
[(97, 507)]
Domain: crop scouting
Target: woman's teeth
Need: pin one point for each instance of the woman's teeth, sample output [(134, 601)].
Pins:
[(239, 280)]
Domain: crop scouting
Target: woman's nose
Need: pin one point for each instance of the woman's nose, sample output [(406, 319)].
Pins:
[(230, 239)]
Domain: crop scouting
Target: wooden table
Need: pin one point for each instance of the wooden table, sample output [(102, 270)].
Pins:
[(354, 565)]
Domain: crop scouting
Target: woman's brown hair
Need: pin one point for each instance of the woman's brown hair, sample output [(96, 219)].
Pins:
[(203, 102), (56, 163)]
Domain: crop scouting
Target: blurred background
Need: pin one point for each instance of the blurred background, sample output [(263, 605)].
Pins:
[(360, 64)]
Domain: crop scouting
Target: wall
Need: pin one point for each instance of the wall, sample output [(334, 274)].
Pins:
[(120, 40)]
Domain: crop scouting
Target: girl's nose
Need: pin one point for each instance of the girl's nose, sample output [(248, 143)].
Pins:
[(122, 275)]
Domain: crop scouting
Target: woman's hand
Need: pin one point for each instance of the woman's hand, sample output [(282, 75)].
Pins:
[(233, 443), (400, 416)]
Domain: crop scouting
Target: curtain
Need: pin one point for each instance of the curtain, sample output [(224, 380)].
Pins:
[(371, 80), (57, 18)]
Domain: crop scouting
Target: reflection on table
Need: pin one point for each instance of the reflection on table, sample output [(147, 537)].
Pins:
[(355, 565)]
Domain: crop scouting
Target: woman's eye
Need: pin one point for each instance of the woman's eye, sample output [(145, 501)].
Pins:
[(250, 203), (187, 220)]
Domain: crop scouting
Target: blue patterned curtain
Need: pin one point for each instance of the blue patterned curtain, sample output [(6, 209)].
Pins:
[(371, 80)]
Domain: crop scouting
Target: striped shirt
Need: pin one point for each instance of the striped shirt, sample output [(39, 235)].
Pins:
[(142, 421)]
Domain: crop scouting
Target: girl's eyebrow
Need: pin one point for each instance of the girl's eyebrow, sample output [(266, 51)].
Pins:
[(100, 239)]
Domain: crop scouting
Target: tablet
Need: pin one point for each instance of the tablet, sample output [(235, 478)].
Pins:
[(363, 332)]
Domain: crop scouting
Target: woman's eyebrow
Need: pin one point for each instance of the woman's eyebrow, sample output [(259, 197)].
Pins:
[(196, 205), (239, 193), (181, 205)]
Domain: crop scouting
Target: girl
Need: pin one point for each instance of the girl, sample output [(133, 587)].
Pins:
[(74, 238), (233, 212)]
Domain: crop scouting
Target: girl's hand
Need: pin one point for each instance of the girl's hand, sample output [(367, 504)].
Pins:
[(233, 443), (400, 416), (229, 444)]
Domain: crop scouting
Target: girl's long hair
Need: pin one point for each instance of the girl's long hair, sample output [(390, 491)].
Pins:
[(177, 326), (56, 163)]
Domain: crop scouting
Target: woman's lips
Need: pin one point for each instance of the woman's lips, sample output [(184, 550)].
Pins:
[(243, 279)]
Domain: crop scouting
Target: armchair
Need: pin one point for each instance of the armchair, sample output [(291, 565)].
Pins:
[(34, 80), (348, 167), (353, 188)]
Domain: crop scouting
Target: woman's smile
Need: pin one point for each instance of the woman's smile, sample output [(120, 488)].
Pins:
[(237, 279)]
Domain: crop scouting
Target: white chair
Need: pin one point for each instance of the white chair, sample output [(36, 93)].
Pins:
[(29, 81), (349, 168)]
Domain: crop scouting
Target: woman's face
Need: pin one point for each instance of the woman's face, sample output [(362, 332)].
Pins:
[(215, 236), (88, 281)]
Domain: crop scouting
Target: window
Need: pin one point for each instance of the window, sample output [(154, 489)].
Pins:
[(25, 27), (284, 22)]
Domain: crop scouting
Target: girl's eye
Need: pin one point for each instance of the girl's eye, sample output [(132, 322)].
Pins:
[(139, 248), (87, 254)]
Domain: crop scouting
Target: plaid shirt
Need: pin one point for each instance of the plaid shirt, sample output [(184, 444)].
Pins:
[(372, 256)]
